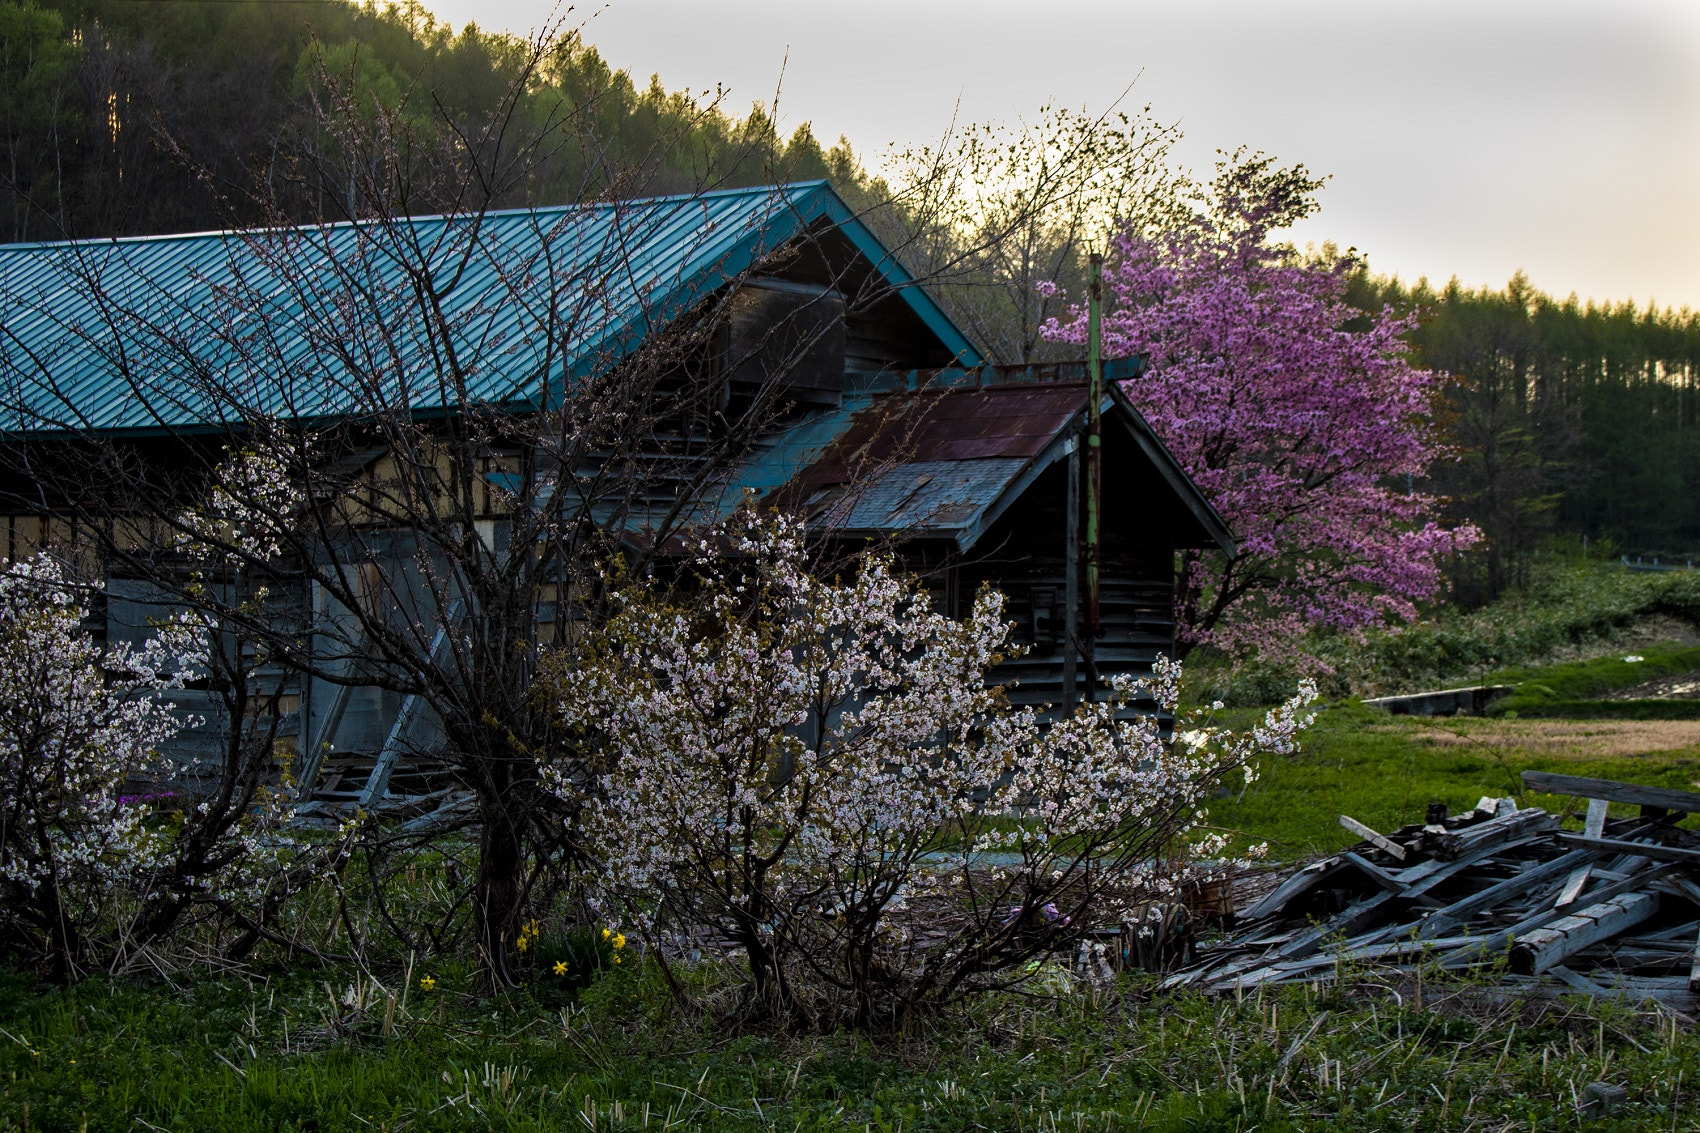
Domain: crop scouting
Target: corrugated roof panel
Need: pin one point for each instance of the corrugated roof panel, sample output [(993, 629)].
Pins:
[(936, 497), (213, 328), (916, 462)]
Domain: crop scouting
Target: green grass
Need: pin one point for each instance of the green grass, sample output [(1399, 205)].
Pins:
[(1580, 680), (257, 1052), (1385, 770), (1572, 690), (230, 1056), (1570, 605)]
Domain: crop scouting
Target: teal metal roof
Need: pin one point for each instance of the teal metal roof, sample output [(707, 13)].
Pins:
[(214, 329)]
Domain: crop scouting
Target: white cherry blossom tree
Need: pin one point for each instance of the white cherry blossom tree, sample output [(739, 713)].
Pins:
[(76, 727), (820, 773)]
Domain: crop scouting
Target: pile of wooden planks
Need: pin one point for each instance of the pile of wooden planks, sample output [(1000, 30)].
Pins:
[(1612, 910)]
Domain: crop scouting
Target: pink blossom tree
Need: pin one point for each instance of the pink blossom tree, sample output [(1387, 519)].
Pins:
[(1300, 417)]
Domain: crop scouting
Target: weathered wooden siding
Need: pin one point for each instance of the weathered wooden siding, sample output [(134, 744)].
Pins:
[(1025, 556)]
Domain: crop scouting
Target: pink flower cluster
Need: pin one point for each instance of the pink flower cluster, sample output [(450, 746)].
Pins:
[(1299, 416)]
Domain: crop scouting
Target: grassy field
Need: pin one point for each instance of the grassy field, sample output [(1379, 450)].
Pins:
[(257, 1054), (1385, 770), (272, 1050)]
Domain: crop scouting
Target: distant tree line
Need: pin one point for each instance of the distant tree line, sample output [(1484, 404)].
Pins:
[(1573, 419), (124, 117), (118, 117)]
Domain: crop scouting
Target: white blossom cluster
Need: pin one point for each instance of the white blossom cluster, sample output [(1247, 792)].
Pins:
[(250, 508), (793, 719), (94, 825), (791, 747), (77, 725)]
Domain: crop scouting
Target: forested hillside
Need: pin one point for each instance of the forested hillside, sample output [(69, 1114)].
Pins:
[(119, 117), (1568, 418)]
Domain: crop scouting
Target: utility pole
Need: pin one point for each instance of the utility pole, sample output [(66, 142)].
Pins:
[(1094, 466), (1071, 577)]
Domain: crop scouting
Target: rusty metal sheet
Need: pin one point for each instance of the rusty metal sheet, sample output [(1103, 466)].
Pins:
[(921, 498), (927, 462), (953, 424)]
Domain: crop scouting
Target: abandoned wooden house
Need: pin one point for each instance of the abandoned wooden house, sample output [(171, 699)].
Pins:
[(885, 423)]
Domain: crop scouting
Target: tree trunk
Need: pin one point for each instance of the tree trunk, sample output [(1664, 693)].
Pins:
[(498, 893)]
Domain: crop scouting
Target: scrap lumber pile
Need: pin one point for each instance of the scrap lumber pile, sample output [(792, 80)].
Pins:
[(1612, 911)]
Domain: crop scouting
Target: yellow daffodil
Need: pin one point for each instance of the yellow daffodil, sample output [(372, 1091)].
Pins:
[(616, 959), (427, 983), (523, 943), (619, 940), (606, 933), (560, 967)]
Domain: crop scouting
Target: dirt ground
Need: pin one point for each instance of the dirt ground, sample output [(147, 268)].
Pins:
[(1684, 686), (1560, 739)]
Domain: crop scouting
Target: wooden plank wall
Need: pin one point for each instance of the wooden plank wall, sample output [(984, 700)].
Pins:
[(1023, 555)]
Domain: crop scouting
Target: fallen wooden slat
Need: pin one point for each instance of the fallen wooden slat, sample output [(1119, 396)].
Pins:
[(1402, 948), (1287, 969), (1609, 790), (1441, 920), (1680, 886), (1675, 936), (1576, 980), (1455, 843), (1534, 952), (1595, 826), (1694, 967), (1421, 871), (1572, 886), (1446, 871), (1375, 838), (1301, 882), (1616, 982), (1652, 850), (1375, 873), (1610, 955)]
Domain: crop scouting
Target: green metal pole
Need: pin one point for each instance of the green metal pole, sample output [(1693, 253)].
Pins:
[(1094, 464)]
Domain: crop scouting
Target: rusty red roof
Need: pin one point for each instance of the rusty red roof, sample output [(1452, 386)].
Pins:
[(1001, 422)]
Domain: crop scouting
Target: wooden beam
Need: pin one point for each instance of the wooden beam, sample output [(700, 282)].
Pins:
[(1611, 791), (1375, 873), (1544, 948), (1651, 850), (1378, 840)]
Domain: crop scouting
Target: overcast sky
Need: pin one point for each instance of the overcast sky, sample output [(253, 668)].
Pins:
[(1467, 139)]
